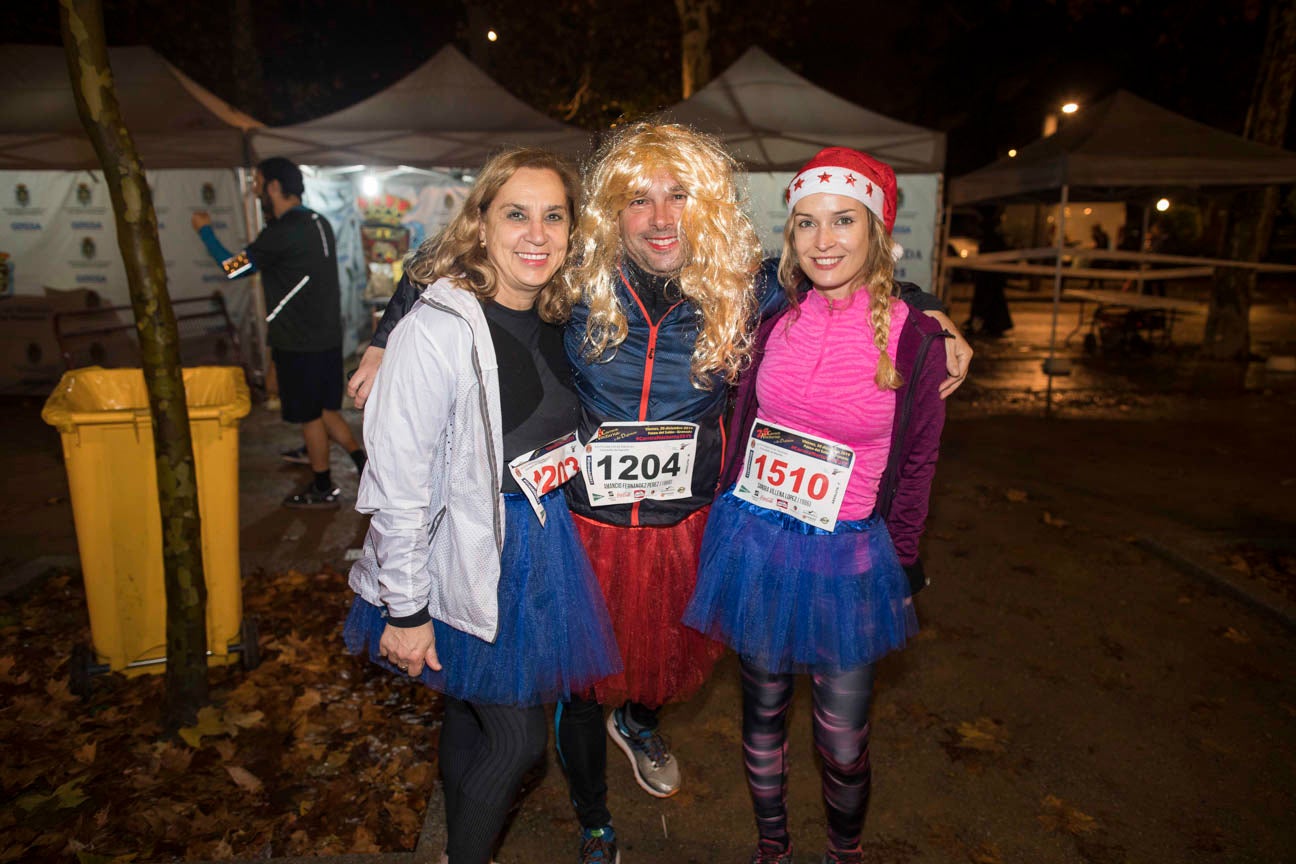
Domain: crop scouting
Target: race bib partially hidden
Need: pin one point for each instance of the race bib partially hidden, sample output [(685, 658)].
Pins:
[(236, 265), (628, 462), (545, 469), (795, 473)]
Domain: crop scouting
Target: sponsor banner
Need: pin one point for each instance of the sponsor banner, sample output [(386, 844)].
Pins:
[(60, 232), (916, 219)]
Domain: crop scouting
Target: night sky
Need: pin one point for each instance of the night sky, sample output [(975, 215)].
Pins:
[(984, 72)]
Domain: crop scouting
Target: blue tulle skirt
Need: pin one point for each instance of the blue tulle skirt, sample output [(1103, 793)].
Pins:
[(790, 597), (554, 639)]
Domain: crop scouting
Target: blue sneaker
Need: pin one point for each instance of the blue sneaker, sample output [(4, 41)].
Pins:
[(598, 846), (655, 769)]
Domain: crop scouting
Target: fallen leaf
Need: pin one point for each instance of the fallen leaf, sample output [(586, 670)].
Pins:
[(209, 723), (86, 755), (986, 853), (225, 748), (306, 701), (1235, 635), (984, 734), (1050, 519), (243, 720), (1015, 495), (363, 841), (1063, 818), (244, 778)]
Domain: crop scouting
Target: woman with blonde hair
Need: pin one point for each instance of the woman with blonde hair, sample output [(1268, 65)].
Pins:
[(472, 578), (810, 558)]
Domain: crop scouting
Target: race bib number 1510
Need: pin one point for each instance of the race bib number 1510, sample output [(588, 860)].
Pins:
[(795, 473)]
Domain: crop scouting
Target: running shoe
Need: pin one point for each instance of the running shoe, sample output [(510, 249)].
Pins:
[(312, 498), (772, 852), (598, 846), (655, 769), (296, 456)]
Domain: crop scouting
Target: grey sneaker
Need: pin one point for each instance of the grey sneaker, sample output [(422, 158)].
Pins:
[(598, 846), (655, 769)]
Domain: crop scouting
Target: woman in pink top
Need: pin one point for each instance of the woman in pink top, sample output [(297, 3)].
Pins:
[(810, 557)]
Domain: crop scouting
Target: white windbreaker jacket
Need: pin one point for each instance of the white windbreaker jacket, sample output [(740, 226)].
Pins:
[(433, 433)]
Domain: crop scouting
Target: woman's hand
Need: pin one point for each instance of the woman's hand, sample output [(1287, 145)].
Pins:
[(958, 355), (363, 378), (409, 648)]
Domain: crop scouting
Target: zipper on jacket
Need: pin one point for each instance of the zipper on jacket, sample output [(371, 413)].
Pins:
[(649, 360), (482, 403)]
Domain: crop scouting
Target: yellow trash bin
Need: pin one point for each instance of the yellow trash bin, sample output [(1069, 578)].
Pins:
[(103, 418)]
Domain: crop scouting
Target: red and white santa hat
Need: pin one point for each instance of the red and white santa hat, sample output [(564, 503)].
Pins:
[(843, 171)]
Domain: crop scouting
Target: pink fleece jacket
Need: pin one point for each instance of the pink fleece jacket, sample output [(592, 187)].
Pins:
[(817, 377)]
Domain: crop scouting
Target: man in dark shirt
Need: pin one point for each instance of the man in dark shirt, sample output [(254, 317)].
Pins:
[(297, 259)]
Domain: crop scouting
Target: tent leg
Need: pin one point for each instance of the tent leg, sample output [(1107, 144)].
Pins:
[(1055, 365)]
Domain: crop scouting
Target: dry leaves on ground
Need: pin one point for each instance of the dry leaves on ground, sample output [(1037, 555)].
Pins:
[(313, 752), (1057, 815)]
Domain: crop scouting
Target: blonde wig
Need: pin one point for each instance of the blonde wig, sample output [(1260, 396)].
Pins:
[(456, 251), (721, 250), (879, 274)]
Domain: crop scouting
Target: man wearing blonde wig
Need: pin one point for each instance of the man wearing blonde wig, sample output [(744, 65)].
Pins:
[(663, 308)]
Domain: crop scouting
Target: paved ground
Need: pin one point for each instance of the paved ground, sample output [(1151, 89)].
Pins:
[(1083, 689)]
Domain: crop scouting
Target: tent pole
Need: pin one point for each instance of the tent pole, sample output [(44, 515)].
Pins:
[(1143, 247), (939, 286), (252, 225), (1055, 365)]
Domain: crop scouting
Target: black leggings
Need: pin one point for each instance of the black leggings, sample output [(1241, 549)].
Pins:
[(582, 749), (841, 736), (485, 752)]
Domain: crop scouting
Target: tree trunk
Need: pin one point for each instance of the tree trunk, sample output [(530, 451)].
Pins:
[(695, 28), (249, 82), (81, 22), (1228, 328)]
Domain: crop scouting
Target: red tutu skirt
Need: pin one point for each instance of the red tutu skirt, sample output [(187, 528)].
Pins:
[(648, 575)]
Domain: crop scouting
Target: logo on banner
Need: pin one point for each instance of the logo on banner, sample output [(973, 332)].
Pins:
[(22, 195), (87, 248), (208, 194), (84, 196)]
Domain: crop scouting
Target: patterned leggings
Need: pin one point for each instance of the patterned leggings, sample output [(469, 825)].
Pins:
[(841, 737)]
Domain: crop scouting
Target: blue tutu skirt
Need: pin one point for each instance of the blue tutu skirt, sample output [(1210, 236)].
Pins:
[(790, 597), (554, 638)]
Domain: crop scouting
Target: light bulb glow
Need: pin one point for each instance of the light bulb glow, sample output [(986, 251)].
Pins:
[(1012, 154), (491, 35), (1070, 108), (369, 185), (1163, 205)]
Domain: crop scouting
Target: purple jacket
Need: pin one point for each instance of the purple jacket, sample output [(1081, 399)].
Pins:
[(915, 438)]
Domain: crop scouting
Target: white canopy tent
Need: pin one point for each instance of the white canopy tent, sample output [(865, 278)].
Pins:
[(175, 122), (772, 119), (59, 237), (1127, 143), (446, 113), (1112, 149)]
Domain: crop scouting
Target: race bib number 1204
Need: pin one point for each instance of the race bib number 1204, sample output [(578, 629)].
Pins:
[(628, 462), (795, 473)]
